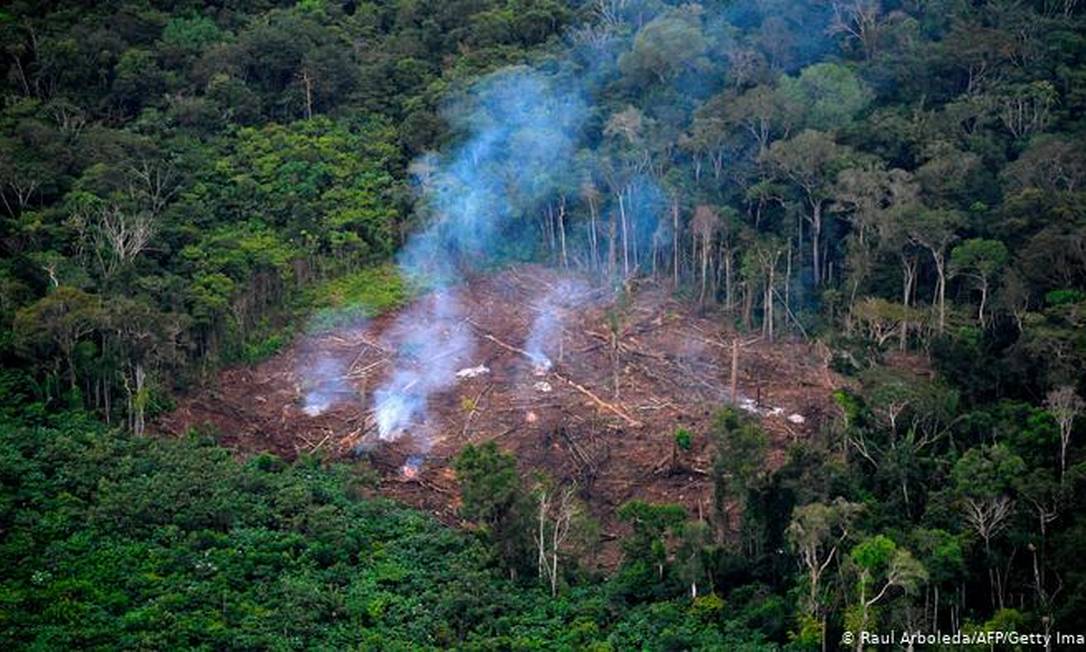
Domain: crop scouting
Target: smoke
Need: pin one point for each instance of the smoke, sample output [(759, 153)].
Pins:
[(522, 128), (324, 384), (544, 339), (528, 135), (431, 341)]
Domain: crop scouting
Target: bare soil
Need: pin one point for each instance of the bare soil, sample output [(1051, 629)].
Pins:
[(625, 376)]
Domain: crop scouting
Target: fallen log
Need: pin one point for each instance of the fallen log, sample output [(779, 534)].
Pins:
[(314, 449), (634, 423), (504, 345)]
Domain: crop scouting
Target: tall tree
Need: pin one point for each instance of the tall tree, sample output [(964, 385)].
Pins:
[(811, 161), (1065, 405), (979, 260), (935, 230), (816, 533)]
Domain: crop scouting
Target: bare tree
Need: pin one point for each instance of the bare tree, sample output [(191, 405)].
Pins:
[(988, 516), (70, 119), (121, 236), (152, 185), (557, 511), (1064, 405), (858, 20), (17, 187), (1025, 109)]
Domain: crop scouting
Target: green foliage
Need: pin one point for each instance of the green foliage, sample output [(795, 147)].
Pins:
[(987, 471), (116, 541), (914, 181), (362, 294), (646, 550), (1064, 297), (489, 483), (493, 497), (831, 95), (665, 47), (683, 438), (873, 554), (981, 257), (738, 463)]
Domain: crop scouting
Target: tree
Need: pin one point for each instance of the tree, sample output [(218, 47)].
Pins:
[(147, 341), (811, 161), (704, 228), (984, 479), (761, 265), (493, 497), (882, 566), (62, 317), (561, 522), (1049, 163), (935, 230), (830, 95), (1065, 406), (682, 440), (738, 463), (980, 260), (647, 546), (859, 20), (763, 111), (665, 47), (883, 319), (873, 199), (940, 552), (695, 537), (816, 533), (1024, 109)]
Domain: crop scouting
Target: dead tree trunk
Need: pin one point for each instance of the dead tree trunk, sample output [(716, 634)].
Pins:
[(675, 241), (562, 229), (593, 233), (612, 253), (625, 237), (908, 277), (816, 240), (734, 384)]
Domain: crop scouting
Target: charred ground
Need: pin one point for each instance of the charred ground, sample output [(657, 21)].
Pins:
[(626, 373)]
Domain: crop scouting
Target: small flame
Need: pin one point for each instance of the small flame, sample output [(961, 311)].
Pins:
[(410, 468), (315, 404), (394, 412), (541, 364)]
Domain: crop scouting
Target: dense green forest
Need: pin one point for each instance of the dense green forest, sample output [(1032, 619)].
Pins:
[(183, 185)]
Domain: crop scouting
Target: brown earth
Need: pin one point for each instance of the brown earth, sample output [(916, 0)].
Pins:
[(672, 366)]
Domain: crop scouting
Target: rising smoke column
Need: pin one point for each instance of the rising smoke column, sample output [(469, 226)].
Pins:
[(522, 129), (324, 374), (544, 339), (324, 384), (432, 341)]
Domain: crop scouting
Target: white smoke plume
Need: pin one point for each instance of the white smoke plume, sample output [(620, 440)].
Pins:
[(431, 341)]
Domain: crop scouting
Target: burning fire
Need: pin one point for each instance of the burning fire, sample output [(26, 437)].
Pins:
[(411, 468), (541, 364)]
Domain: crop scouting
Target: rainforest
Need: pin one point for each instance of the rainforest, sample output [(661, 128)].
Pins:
[(542, 324)]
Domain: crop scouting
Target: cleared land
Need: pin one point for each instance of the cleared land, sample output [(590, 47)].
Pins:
[(625, 375)]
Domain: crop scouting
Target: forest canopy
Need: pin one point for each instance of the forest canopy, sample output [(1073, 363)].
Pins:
[(186, 186)]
